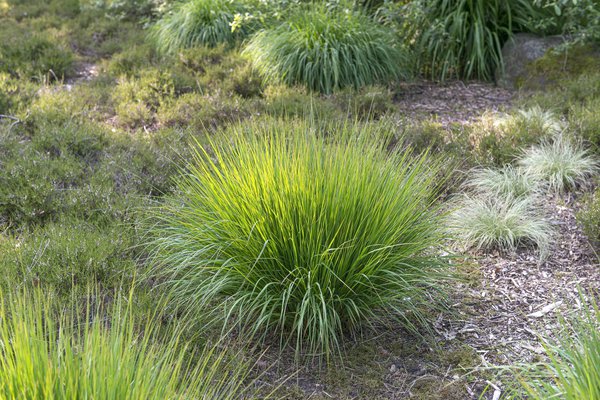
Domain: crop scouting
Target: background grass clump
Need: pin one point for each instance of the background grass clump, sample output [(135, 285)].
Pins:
[(197, 23), (302, 234), (326, 50)]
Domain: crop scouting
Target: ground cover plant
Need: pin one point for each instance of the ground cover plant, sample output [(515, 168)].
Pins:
[(300, 234), (326, 50)]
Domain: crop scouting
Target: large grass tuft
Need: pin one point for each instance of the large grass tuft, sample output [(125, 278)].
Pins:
[(301, 234), (561, 163), (327, 50), (197, 23)]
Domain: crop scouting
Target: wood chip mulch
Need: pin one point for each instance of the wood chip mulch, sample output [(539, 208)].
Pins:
[(519, 297), (451, 102)]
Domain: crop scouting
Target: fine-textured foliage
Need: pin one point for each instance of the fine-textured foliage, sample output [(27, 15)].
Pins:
[(464, 38), (302, 234), (326, 50), (197, 23), (48, 355), (573, 371), (560, 162), (488, 222), (506, 182)]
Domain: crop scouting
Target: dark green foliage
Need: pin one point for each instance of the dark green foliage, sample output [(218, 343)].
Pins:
[(197, 23), (464, 38), (325, 50)]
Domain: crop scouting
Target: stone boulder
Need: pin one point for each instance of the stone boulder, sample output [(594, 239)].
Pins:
[(519, 52)]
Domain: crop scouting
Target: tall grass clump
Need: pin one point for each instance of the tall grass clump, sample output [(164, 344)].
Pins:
[(572, 372), (500, 222), (562, 163), (50, 353), (464, 38), (196, 23), (308, 233), (326, 50)]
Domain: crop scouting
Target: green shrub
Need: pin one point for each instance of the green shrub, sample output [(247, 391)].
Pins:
[(464, 38), (327, 50), (589, 218), (49, 355), (560, 162), (369, 102), (300, 234), (494, 222), (69, 253), (499, 138), (584, 120), (137, 99), (31, 55), (283, 101), (197, 23)]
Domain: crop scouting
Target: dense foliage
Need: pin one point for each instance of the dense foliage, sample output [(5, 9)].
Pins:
[(301, 234), (197, 23), (326, 50), (464, 38), (46, 355)]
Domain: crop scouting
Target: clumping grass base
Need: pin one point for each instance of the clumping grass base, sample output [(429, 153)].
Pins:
[(302, 234), (560, 162), (488, 222)]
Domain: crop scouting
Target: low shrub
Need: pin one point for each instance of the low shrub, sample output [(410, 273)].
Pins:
[(52, 354), (589, 218), (500, 138), (29, 55), (560, 162), (197, 23), (370, 102), (283, 101), (494, 222), (584, 120), (328, 50), (305, 231)]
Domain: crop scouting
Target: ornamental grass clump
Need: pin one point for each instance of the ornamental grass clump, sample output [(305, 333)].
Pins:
[(325, 50), (508, 181), (196, 23), (500, 222), (562, 163), (304, 232), (48, 352)]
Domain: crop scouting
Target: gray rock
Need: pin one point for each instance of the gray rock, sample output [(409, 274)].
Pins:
[(519, 52)]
